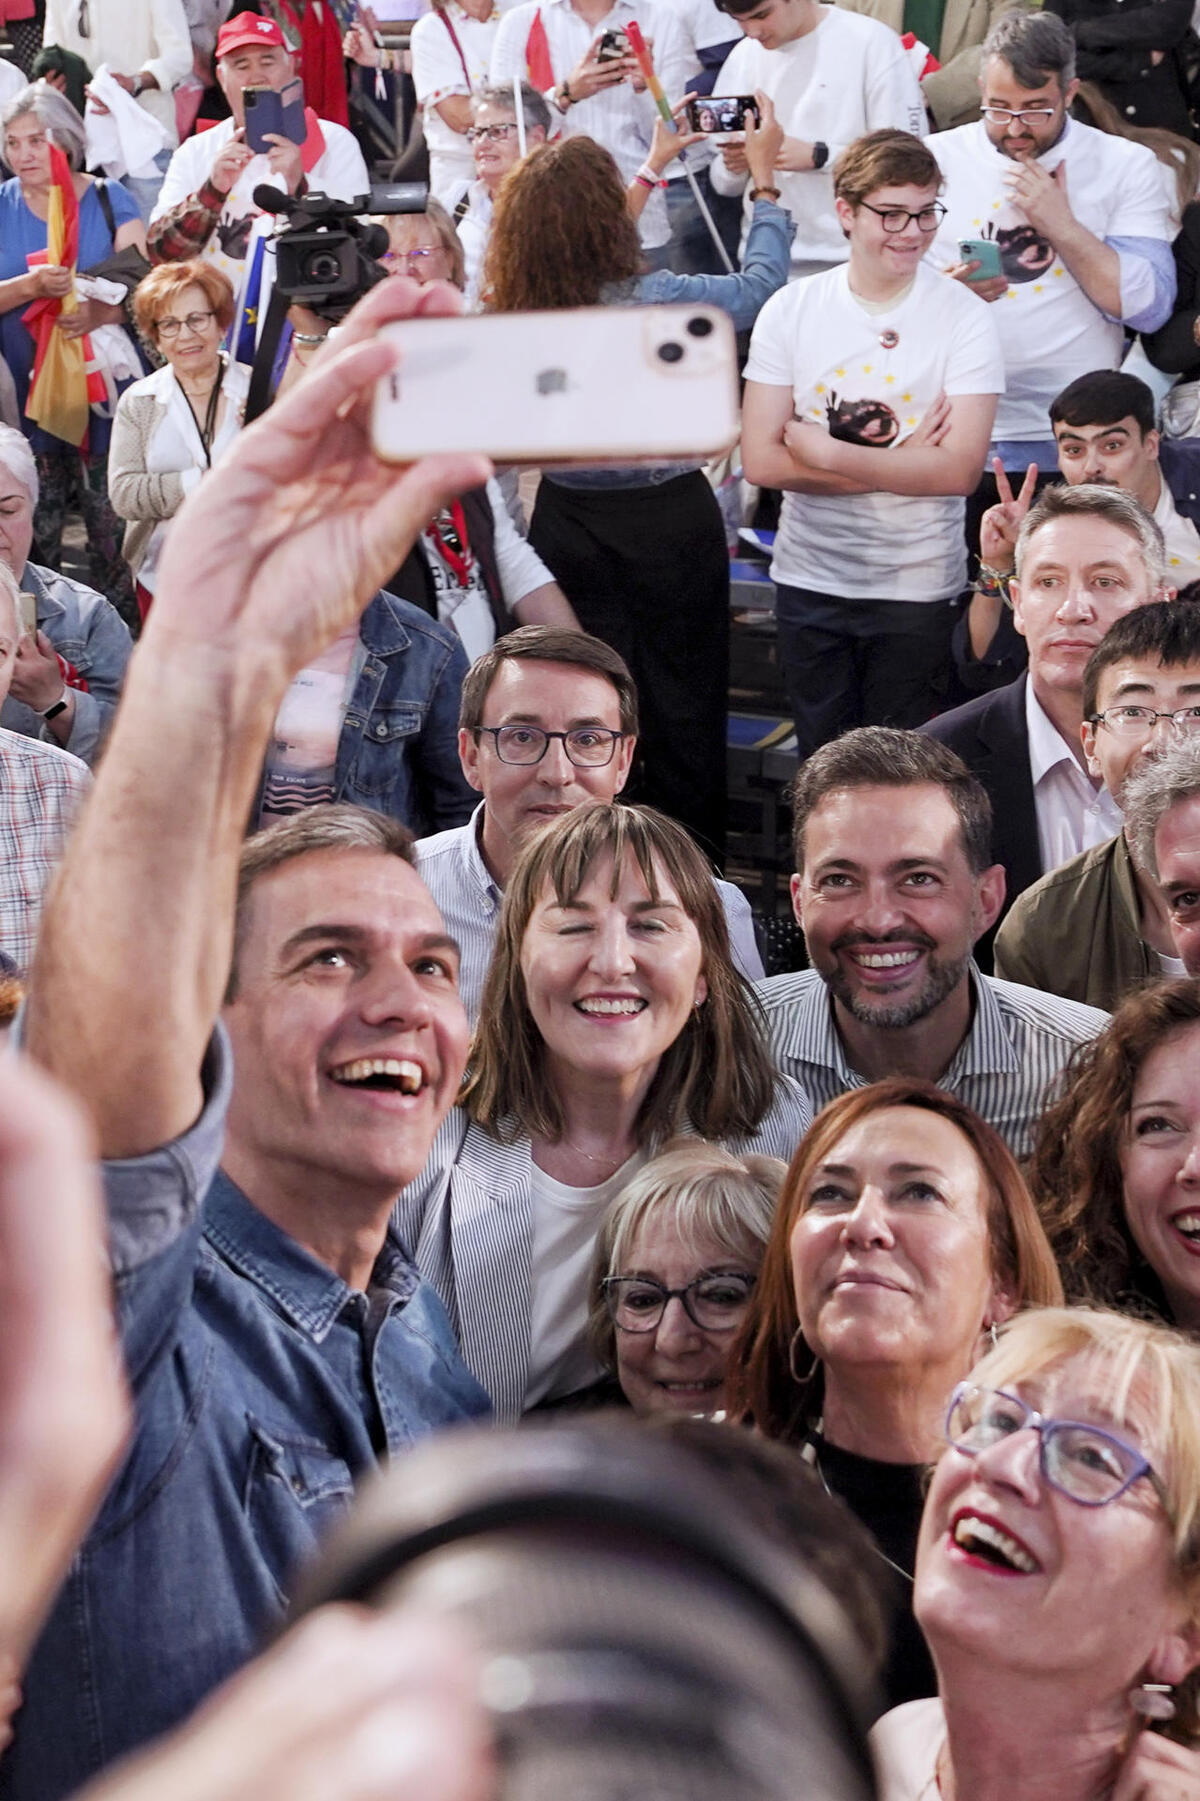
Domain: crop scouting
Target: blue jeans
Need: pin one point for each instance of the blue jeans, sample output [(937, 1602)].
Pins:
[(145, 188)]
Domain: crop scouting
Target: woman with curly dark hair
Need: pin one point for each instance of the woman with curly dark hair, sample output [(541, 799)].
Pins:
[(1116, 1164), (639, 552)]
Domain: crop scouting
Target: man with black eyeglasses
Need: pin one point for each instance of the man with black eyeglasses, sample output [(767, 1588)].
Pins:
[(1099, 926), (549, 720), (1079, 221)]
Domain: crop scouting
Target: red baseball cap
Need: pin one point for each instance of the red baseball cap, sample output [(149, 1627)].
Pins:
[(248, 28)]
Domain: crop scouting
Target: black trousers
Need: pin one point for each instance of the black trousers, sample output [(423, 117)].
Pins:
[(646, 569), (861, 662)]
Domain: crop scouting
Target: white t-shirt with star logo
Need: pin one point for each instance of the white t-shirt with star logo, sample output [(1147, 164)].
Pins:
[(868, 375), (1180, 537), (1049, 329)]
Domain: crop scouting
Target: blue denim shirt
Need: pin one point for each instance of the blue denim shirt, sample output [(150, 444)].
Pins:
[(398, 750), (264, 1387), (88, 631)]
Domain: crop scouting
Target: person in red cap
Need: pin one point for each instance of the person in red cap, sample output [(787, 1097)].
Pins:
[(206, 207)]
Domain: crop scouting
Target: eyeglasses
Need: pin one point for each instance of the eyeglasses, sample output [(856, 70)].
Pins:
[(497, 133), (1004, 115), (171, 328), (715, 1302), (896, 218), (411, 256), (1083, 1462), (1139, 722), (588, 746)]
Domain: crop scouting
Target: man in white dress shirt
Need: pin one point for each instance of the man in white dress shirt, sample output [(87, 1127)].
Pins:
[(559, 46), (1085, 556)]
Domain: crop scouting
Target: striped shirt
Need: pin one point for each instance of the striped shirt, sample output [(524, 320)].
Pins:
[(1006, 1068), (41, 791)]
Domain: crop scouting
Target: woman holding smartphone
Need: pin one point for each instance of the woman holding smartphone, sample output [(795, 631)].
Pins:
[(640, 552)]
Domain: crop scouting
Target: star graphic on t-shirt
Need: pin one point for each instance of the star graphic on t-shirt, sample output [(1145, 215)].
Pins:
[(911, 421), (1039, 287), (888, 380), (867, 369), (1058, 271), (820, 388), (904, 397), (839, 372)]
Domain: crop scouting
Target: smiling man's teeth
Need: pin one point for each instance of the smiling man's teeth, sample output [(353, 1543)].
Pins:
[(885, 959), (388, 1072), (599, 1004), (1188, 1224), (992, 1543)]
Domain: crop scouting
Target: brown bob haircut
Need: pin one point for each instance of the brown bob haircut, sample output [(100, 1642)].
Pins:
[(717, 1077), (760, 1386), (1075, 1171), (884, 159), (155, 292), (548, 644)]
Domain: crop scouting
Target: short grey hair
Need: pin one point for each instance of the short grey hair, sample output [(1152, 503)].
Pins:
[(62, 123), (701, 1190), (18, 458), (500, 95), (335, 825), (1035, 45), (1092, 501), (1152, 791)]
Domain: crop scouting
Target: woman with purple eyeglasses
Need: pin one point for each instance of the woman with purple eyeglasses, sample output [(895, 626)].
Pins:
[(1058, 1574)]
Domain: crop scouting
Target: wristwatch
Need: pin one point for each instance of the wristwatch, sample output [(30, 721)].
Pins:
[(562, 98), (138, 87), (820, 154), (60, 706)]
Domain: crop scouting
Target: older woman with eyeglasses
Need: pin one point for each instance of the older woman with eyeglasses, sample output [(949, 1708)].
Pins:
[(171, 426), (1058, 1574), (612, 1020)]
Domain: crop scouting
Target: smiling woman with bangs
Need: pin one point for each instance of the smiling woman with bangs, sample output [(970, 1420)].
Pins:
[(612, 1019), (1058, 1574)]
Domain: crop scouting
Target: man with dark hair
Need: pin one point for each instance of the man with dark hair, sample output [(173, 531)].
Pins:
[(832, 76), (279, 1341), (1098, 926), (894, 883), (1163, 822), (1084, 557), (549, 719), (1081, 221)]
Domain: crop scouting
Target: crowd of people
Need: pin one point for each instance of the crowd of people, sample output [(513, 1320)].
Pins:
[(736, 1350)]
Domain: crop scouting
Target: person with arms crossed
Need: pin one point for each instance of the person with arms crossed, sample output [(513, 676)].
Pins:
[(278, 1339), (894, 883), (870, 392), (1098, 926)]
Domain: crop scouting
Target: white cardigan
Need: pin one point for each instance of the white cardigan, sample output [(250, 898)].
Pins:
[(155, 458)]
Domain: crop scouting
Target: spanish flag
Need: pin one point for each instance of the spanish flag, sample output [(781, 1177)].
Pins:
[(537, 55), (62, 387)]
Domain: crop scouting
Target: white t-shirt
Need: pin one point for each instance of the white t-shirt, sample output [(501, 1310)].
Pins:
[(848, 76), (1049, 329), (905, 1745), (1180, 537), (816, 338), (565, 1223), (439, 71), (301, 762)]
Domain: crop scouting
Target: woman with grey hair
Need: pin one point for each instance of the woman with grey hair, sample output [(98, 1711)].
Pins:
[(37, 119), (676, 1260)]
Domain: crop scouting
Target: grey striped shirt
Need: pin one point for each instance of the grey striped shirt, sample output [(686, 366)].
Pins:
[(1006, 1068)]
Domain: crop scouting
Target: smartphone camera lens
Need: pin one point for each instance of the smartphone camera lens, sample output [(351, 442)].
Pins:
[(671, 353), (699, 328)]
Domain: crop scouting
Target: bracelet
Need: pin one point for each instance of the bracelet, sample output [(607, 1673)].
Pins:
[(309, 337), (648, 177), (764, 193), (563, 97)]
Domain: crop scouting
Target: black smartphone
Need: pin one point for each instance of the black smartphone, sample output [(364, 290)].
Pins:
[(726, 112), (278, 111), (612, 45)]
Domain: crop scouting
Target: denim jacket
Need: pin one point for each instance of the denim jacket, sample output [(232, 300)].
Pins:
[(264, 1387), (88, 631), (398, 752)]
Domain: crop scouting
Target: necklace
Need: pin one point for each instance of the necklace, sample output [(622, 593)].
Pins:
[(810, 1455), (208, 430), (614, 1162)]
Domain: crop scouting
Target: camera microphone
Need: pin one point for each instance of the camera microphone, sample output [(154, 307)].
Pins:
[(272, 200)]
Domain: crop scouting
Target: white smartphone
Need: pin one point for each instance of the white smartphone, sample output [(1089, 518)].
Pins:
[(607, 384)]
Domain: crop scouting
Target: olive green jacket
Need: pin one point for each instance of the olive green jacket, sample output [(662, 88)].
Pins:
[(951, 92), (1077, 931)]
